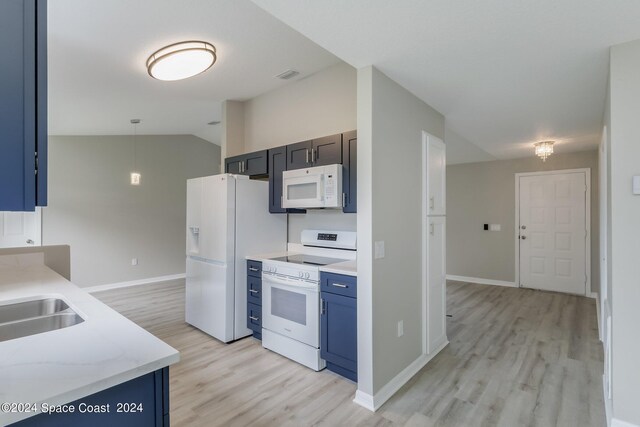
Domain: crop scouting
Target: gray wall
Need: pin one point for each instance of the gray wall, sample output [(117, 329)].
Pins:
[(319, 105), (390, 125), (105, 220), (623, 263), (479, 193)]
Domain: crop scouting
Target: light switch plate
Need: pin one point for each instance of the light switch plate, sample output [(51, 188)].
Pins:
[(378, 249), (494, 227), (636, 184)]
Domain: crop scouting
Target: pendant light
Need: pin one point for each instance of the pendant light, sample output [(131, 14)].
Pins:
[(544, 149), (135, 175)]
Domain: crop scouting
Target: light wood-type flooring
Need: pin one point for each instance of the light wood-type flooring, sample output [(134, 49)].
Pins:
[(516, 358)]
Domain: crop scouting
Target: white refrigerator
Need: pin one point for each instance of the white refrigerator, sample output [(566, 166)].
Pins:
[(227, 219)]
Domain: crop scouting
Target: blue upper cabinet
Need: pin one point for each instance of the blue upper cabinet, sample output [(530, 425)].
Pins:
[(23, 104)]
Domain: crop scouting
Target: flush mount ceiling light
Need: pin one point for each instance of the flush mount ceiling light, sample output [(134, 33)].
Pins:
[(181, 60), (544, 149)]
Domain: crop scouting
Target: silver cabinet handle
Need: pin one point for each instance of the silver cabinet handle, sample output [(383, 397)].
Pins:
[(338, 285), (313, 155), (344, 199), (253, 291), (255, 319), (253, 269), (306, 155)]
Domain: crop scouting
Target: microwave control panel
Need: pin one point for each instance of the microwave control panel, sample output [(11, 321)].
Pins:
[(330, 193)]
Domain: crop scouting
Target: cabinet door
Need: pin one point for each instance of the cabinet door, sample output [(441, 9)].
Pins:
[(17, 105), (350, 172), (255, 163), (436, 173), (436, 283), (338, 331), (254, 290), (277, 164), (234, 165), (327, 150), (299, 155)]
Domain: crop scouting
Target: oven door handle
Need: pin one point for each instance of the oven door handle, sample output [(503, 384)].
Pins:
[(299, 285)]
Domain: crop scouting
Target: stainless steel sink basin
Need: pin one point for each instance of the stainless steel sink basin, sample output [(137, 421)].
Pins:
[(22, 319), (38, 325), (29, 309)]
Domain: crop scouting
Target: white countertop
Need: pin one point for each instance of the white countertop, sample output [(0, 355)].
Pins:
[(264, 257), (348, 268), (64, 365)]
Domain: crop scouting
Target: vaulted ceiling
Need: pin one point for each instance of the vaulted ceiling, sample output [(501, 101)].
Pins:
[(504, 73), (98, 49)]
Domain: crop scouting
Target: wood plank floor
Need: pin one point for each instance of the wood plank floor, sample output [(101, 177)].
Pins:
[(516, 358)]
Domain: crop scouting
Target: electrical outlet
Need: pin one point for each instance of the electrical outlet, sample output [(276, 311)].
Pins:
[(400, 328), (378, 249), (134, 261)]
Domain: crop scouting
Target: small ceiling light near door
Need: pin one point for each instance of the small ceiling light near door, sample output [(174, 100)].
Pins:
[(181, 60), (544, 149), (135, 175)]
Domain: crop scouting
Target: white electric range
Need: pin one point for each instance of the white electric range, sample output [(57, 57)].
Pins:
[(291, 295)]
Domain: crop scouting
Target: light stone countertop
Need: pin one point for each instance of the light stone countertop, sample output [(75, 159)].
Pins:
[(64, 365), (348, 268)]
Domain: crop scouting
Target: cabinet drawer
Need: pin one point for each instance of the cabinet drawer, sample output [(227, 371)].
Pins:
[(254, 268), (254, 290), (254, 317), (338, 284)]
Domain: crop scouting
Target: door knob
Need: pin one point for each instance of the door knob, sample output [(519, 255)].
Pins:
[(524, 227), (30, 242), (523, 237)]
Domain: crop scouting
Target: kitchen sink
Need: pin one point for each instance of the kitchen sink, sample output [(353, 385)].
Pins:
[(29, 309), (22, 319)]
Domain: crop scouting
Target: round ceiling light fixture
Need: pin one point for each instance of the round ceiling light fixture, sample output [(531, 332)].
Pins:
[(181, 60)]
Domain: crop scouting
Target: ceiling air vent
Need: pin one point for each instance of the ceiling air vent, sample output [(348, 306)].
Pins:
[(286, 75)]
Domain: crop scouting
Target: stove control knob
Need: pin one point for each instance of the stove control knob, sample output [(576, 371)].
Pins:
[(306, 275), (300, 274)]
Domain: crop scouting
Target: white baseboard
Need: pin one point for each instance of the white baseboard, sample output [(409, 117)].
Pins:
[(593, 295), (373, 403), (481, 281), (109, 286), (619, 423)]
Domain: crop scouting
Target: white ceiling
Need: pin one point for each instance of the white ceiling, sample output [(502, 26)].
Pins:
[(504, 73), (97, 53)]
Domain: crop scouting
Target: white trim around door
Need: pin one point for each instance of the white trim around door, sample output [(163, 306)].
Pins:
[(587, 172)]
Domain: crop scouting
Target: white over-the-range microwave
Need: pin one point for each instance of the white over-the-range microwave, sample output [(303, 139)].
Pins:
[(316, 187)]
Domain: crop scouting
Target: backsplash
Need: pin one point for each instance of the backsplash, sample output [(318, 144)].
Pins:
[(320, 219)]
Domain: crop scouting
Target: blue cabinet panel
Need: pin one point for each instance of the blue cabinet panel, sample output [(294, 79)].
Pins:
[(339, 324), (350, 171), (254, 268), (339, 344), (338, 284), (22, 103), (254, 319), (254, 290), (151, 391)]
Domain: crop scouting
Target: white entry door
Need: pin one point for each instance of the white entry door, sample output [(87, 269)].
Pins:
[(553, 231), (18, 229)]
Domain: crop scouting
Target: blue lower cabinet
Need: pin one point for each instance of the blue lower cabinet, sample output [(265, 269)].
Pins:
[(254, 297), (339, 330), (140, 402)]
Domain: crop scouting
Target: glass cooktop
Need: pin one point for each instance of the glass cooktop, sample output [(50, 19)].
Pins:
[(308, 259)]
